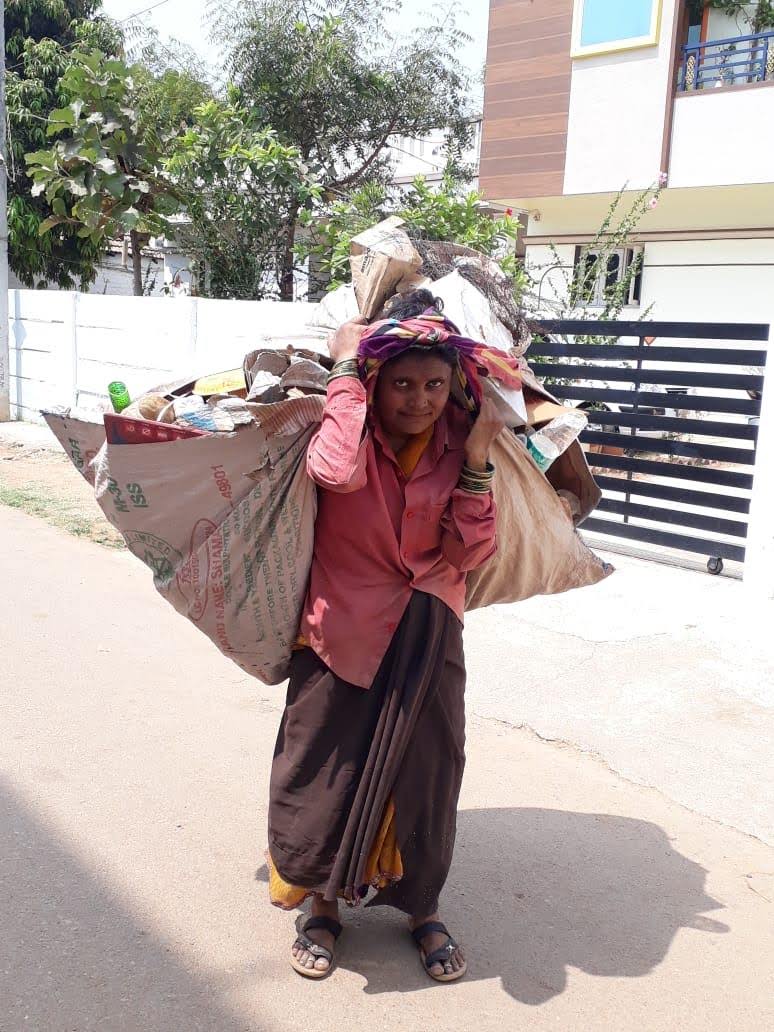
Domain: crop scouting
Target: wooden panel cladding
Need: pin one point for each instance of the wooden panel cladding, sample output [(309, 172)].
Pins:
[(527, 98)]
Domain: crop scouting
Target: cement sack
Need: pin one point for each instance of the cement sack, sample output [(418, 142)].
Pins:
[(225, 522), (80, 436)]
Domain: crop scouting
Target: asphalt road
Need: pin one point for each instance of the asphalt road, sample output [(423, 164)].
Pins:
[(133, 774)]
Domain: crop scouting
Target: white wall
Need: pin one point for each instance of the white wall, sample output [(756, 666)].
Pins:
[(65, 347), (710, 280), (692, 280), (725, 26), (617, 104), (724, 137)]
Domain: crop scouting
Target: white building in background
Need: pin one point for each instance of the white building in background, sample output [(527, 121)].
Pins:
[(426, 156), (584, 97), (165, 271)]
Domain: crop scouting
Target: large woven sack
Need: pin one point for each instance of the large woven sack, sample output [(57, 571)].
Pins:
[(539, 550), (225, 523)]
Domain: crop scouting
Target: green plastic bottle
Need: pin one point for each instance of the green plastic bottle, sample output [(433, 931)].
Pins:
[(119, 395)]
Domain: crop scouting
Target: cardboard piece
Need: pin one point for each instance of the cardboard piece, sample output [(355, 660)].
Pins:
[(383, 262), (469, 309)]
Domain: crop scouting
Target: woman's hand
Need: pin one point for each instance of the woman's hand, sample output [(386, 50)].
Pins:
[(343, 344), (486, 427)]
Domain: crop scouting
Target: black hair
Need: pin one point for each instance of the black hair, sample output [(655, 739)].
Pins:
[(409, 306)]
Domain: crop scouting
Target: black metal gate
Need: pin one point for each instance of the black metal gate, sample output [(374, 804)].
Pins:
[(672, 429)]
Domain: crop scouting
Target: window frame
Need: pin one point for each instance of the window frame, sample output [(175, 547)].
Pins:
[(627, 256)]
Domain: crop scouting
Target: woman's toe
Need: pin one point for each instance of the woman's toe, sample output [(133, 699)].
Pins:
[(321, 964)]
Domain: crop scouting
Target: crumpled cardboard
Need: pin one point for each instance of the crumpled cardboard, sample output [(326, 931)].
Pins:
[(383, 262), (469, 310)]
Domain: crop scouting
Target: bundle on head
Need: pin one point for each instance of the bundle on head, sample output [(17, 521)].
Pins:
[(440, 258), (414, 321), (412, 305)]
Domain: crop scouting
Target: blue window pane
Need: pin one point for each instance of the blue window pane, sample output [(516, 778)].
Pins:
[(608, 21)]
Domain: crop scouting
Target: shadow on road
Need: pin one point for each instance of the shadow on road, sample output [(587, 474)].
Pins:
[(71, 957), (535, 892)]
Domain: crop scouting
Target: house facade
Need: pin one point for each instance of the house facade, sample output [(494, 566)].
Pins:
[(586, 97)]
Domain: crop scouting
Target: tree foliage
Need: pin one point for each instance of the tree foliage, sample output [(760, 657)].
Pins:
[(103, 175), (330, 79), (240, 186), (41, 36), (451, 212)]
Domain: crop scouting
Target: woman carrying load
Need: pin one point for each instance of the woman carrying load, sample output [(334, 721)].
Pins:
[(370, 753)]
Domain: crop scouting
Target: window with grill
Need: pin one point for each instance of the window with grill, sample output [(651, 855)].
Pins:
[(596, 275)]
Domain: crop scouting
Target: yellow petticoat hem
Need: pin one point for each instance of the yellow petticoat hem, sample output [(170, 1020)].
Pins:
[(384, 867)]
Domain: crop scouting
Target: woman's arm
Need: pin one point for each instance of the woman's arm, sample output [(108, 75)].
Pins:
[(468, 527), (336, 458)]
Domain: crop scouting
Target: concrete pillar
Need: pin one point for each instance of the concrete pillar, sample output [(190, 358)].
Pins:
[(759, 555)]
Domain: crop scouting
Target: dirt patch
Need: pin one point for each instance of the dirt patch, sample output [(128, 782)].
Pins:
[(44, 483)]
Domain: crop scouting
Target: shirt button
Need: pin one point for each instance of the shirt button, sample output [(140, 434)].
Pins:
[(410, 515)]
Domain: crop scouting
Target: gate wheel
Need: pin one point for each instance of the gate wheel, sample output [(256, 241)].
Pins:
[(715, 565)]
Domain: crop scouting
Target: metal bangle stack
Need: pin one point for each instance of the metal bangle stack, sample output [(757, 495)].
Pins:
[(475, 480), (347, 367)]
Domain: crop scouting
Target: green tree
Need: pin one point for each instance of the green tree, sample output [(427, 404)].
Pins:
[(451, 213), (240, 186), (331, 80), (103, 176), (40, 38)]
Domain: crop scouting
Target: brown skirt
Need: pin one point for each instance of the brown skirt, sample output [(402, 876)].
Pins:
[(343, 752)]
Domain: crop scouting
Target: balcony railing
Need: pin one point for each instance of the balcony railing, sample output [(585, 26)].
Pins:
[(727, 62)]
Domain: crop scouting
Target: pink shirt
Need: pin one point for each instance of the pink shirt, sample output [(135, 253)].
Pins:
[(379, 535)]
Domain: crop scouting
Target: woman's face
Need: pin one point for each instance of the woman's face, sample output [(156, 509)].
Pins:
[(411, 393)]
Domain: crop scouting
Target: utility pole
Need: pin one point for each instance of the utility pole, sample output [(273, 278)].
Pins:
[(5, 358)]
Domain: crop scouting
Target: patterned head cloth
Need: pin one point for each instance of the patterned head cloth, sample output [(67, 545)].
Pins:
[(389, 338)]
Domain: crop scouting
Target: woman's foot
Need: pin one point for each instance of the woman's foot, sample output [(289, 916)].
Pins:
[(324, 937), (453, 964)]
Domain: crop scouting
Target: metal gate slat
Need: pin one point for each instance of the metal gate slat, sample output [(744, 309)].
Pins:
[(648, 353), (668, 493), (678, 330), (703, 546), (666, 378), (676, 424), (721, 477), (686, 402), (714, 524), (686, 449)]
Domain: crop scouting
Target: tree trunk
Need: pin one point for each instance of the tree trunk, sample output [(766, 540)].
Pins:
[(134, 236), (288, 259)]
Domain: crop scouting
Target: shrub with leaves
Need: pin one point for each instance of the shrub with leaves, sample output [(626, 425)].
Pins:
[(41, 39), (330, 78), (240, 186), (451, 212), (103, 175)]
